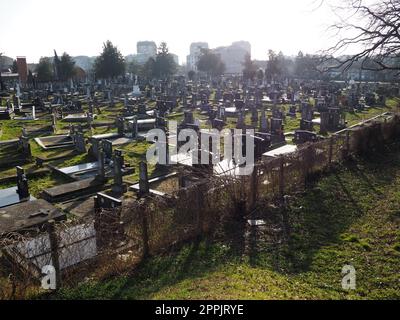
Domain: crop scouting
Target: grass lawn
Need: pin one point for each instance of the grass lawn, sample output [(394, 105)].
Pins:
[(349, 217)]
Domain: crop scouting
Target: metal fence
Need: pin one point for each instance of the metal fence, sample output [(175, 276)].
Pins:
[(118, 238)]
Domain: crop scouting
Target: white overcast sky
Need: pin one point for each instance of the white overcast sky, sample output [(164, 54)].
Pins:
[(33, 28)]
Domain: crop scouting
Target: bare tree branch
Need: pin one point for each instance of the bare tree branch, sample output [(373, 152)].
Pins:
[(376, 36)]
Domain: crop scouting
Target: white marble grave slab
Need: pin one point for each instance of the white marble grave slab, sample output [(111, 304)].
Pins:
[(80, 167), (10, 196), (286, 149)]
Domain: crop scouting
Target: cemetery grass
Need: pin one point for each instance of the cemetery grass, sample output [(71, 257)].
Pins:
[(349, 216)]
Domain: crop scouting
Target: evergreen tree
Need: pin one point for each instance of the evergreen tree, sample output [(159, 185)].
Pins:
[(66, 67), (250, 69), (165, 65), (133, 67), (148, 70), (44, 70), (110, 63), (56, 66), (210, 63)]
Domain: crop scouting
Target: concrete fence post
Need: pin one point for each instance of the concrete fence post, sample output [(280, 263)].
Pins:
[(54, 243)]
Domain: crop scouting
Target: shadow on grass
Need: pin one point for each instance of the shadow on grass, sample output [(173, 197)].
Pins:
[(316, 219), (329, 208)]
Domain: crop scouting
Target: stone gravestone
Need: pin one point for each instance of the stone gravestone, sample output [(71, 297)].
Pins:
[(89, 120), (101, 173), (22, 184), (134, 127), (276, 126), (307, 114), (160, 121), (263, 122), (302, 136), (80, 145), (188, 117), (254, 115), (118, 160), (91, 108), (144, 187), (126, 101), (142, 109), (107, 148), (218, 124), (25, 146), (240, 122), (119, 123)]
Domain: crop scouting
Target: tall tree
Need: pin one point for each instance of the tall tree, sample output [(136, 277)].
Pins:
[(273, 68), (110, 63), (372, 30), (44, 70), (66, 67), (249, 68), (147, 72), (210, 63), (56, 66), (133, 67), (165, 65), (306, 66), (276, 66)]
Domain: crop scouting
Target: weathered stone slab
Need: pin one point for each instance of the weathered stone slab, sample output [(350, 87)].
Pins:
[(69, 190), (75, 118), (26, 215), (286, 149), (55, 142)]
